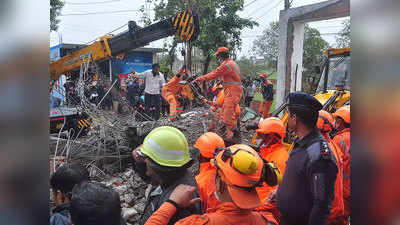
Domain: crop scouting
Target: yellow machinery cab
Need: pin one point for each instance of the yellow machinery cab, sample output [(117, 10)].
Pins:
[(333, 90)]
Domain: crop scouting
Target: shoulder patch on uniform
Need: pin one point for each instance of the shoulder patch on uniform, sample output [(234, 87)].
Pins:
[(229, 67), (325, 152)]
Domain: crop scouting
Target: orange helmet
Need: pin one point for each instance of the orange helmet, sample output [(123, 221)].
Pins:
[(216, 87), (272, 125), (264, 75), (344, 113), (325, 121), (221, 49), (207, 143), (241, 168)]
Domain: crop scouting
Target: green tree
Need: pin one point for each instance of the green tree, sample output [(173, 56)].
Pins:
[(314, 46), (219, 23), (267, 44), (343, 39), (55, 11), (250, 67)]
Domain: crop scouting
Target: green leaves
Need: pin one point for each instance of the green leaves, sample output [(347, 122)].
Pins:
[(314, 46), (219, 23), (55, 11), (343, 39)]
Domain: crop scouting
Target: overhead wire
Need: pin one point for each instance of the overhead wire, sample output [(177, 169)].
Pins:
[(266, 13), (249, 16), (250, 3), (97, 13), (118, 28), (91, 3)]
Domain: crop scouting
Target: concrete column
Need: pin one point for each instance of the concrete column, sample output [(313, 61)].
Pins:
[(283, 36), (291, 37), (297, 56)]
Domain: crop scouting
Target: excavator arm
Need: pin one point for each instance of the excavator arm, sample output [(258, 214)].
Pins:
[(184, 24)]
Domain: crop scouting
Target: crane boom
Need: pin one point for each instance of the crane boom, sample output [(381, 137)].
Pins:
[(185, 25)]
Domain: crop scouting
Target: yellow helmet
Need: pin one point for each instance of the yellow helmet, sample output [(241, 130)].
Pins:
[(244, 162), (167, 146)]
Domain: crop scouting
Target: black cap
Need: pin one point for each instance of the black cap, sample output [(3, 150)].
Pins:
[(301, 99)]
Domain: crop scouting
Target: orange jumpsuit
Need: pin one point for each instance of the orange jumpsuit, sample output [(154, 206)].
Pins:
[(230, 73), (226, 213), (278, 154), (206, 185), (337, 211), (218, 106), (342, 140), (170, 94), (266, 104)]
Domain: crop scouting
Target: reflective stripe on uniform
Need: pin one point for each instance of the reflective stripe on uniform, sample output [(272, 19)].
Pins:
[(232, 82), (165, 154), (346, 175), (344, 146)]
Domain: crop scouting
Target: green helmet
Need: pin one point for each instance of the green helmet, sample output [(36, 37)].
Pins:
[(167, 146)]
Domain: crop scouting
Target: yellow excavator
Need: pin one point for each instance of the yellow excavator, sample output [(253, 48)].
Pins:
[(333, 90)]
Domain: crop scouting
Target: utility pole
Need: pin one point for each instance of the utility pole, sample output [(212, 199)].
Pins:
[(189, 45), (287, 4)]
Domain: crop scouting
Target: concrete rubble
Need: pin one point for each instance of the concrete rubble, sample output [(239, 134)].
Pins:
[(132, 191), (111, 162)]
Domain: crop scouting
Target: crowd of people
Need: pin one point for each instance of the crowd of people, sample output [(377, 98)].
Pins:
[(307, 182)]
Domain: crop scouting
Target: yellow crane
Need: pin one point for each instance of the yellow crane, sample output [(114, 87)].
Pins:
[(184, 24)]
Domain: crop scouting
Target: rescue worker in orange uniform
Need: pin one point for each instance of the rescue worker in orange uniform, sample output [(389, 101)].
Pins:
[(230, 74), (325, 126), (207, 145), (170, 93), (267, 90), (217, 107), (239, 170), (342, 139), (270, 134)]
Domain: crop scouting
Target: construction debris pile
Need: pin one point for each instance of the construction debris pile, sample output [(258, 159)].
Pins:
[(105, 148), (132, 191), (106, 152)]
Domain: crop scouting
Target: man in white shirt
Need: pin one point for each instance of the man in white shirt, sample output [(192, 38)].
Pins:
[(154, 81)]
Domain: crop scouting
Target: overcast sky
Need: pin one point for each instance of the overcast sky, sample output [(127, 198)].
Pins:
[(85, 20)]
